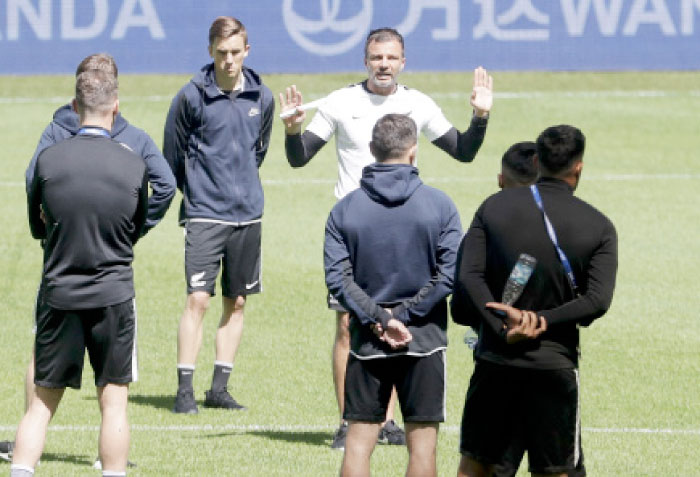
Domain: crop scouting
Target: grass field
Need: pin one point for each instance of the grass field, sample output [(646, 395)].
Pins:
[(641, 362)]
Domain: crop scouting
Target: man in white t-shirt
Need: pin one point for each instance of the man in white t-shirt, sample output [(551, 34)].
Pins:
[(350, 113)]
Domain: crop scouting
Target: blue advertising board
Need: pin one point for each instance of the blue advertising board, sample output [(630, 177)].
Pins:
[(313, 36)]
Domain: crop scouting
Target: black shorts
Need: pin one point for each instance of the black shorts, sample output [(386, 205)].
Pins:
[(419, 381), (537, 408), (209, 244), (108, 334)]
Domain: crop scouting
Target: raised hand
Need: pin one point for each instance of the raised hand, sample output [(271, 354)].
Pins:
[(482, 92), (291, 99)]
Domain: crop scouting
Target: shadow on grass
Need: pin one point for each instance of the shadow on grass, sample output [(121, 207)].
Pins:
[(313, 438), (67, 458), (159, 401)]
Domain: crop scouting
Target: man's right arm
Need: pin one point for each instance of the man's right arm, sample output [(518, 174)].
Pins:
[(48, 138), (341, 281), (36, 223), (471, 287), (178, 125), (299, 148)]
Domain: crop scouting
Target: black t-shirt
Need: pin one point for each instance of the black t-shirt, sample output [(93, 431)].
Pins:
[(93, 193)]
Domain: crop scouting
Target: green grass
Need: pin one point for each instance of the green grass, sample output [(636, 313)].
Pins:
[(641, 362)]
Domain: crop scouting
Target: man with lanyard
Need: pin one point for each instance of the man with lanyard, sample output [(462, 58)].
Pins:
[(350, 114), (88, 200), (525, 385), (216, 137), (519, 168), (66, 124)]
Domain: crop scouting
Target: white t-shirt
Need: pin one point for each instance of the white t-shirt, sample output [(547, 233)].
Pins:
[(351, 113)]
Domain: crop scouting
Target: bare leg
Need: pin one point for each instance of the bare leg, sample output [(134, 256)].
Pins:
[(469, 467), (29, 383), (421, 439), (114, 431), (341, 349), (228, 336), (362, 437), (391, 406), (189, 336), (31, 433)]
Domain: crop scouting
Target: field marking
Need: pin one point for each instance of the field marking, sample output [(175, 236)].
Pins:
[(503, 95), (447, 180), (327, 428)]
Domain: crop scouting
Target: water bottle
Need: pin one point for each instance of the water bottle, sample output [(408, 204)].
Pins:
[(521, 273)]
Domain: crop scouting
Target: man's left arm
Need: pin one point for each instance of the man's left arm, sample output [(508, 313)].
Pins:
[(464, 146), (440, 284), (268, 114), (600, 284), (161, 180)]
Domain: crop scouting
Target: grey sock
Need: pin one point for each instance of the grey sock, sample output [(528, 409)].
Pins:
[(184, 377), (222, 371)]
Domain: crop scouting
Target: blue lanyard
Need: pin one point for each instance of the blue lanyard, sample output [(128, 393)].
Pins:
[(553, 237), (93, 131)]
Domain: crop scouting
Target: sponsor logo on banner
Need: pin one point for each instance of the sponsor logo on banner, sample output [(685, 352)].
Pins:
[(352, 30)]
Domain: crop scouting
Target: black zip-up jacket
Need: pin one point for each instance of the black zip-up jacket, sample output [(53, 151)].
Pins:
[(94, 195), (510, 223), (215, 143)]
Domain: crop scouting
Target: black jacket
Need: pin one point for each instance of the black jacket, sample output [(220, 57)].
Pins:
[(509, 223), (215, 143)]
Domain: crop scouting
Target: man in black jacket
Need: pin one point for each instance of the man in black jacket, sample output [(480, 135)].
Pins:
[(532, 356), (88, 199), (389, 257)]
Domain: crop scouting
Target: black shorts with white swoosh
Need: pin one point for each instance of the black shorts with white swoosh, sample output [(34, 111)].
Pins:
[(210, 244)]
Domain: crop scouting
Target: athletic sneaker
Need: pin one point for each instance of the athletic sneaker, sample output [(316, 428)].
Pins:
[(185, 403), (6, 448), (98, 464), (221, 400), (339, 437), (392, 434)]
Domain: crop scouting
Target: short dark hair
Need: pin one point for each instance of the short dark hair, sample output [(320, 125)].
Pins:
[(225, 27), (518, 163), (558, 147), (381, 35), (392, 136), (95, 91), (99, 61)]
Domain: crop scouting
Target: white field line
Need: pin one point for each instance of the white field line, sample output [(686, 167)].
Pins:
[(503, 95), (465, 178), (320, 428)]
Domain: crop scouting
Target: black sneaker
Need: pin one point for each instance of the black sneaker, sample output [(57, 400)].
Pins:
[(392, 434), (6, 448), (185, 403), (221, 400), (339, 437)]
